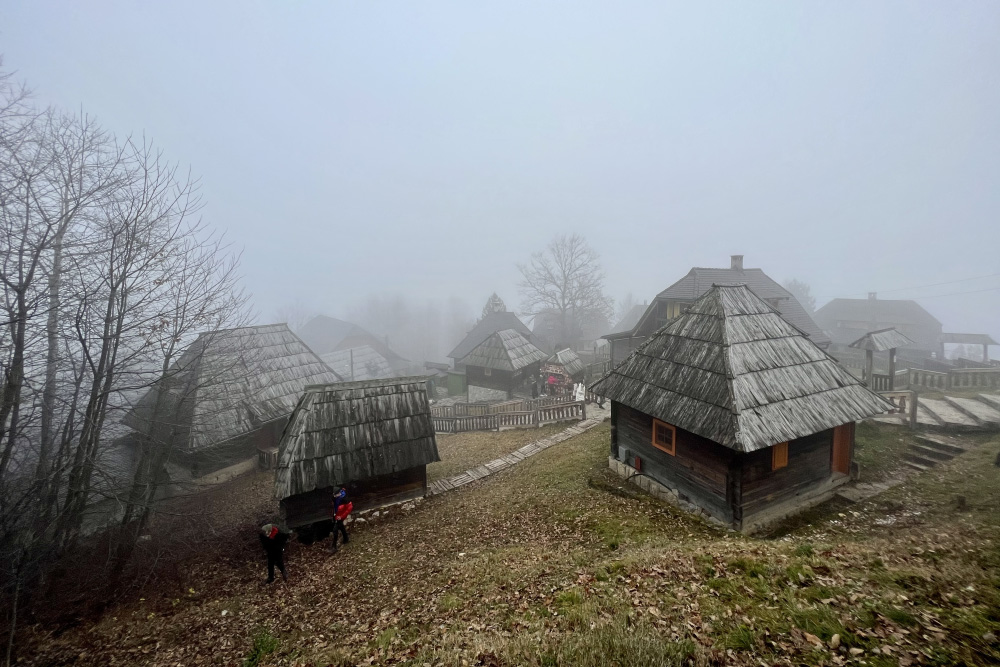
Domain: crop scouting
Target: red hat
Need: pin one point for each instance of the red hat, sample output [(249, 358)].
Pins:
[(270, 530)]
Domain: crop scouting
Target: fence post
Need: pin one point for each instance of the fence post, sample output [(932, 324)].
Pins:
[(913, 409)]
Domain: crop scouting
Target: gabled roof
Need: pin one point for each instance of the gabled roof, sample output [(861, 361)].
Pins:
[(505, 350), (353, 431), (631, 318), (732, 370), (887, 311), (358, 363), (328, 334), (569, 360), (228, 383), (883, 339), (484, 328), (968, 339)]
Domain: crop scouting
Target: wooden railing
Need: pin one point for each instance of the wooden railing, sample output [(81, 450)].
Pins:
[(547, 414), (917, 378), (975, 378), (558, 413), (905, 403), (482, 409), (880, 382)]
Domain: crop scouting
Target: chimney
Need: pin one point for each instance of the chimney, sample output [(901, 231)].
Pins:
[(872, 295), (737, 262)]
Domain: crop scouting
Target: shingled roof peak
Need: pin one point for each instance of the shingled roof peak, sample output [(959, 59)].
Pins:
[(731, 369)]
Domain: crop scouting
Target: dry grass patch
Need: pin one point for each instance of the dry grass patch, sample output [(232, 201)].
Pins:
[(461, 451)]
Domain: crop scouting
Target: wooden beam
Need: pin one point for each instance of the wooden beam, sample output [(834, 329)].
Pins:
[(892, 369)]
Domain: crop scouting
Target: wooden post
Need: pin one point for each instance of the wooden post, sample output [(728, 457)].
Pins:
[(986, 353), (913, 409), (892, 369), (869, 367)]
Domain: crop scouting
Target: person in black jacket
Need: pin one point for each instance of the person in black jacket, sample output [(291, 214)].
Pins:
[(274, 540)]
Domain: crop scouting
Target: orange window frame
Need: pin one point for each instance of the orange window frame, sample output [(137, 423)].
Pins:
[(663, 427), (779, 456)]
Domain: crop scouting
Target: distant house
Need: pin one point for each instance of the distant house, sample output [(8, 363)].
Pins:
[(486, 327), (228, 396), (846, 320), (328, 334), (375, 438), (736, 411), (670, 303), (630, 319), (581, 332), (358, 363), (500, 365)]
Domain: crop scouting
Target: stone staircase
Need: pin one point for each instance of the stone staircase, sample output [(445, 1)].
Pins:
[(930, 450), (955, 413)]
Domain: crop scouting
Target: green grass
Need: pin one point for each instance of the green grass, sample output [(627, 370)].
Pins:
[(264, 644), (879, 448)]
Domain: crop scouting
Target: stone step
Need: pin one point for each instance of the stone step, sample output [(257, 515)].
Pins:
[(932, 453), (910, 457), (947, 414), (940, 444), (978, 410), (992, 400), (916, 466), (926, 418)]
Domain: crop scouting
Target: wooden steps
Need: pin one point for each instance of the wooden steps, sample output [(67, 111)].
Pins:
[(928, 451)]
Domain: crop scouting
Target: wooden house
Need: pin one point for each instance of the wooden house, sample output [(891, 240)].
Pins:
[(846, 320), (736, 411), (355, 364), (489, 324), (671, 302), (375, 438), (328, 334), (227, 396), (500, 365), (578, 330), (565, 367)]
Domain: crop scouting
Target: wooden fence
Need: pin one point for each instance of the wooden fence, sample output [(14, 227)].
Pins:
[(956, 378), (537, 416), (483, 409)]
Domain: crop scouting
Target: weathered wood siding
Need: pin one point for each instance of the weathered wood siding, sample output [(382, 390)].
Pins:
[(497, 379), (808, 467), (700, 470), (312, 507)]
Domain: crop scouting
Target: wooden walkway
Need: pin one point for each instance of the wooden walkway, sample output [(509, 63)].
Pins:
[(515, 457)]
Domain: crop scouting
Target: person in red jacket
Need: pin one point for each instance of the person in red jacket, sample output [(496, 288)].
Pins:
[(273, 540), (340, 510)]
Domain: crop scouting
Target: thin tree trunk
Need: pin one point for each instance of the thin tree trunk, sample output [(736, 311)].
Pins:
[(13, 621)]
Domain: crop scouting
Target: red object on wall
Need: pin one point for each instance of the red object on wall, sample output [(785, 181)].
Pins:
[(638, 464)]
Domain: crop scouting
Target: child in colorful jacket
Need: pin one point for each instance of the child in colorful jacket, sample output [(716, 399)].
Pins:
[(340, 510)]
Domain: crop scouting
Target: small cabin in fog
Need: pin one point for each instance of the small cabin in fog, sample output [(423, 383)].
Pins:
[(736, 411), (562, 370), (500, 365), (374, 438)]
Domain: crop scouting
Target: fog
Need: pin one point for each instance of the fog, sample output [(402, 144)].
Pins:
[(423, 150)]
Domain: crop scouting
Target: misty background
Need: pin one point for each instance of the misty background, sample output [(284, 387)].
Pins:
[(365, 155)]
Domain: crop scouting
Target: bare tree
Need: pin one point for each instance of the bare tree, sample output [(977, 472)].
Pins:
[(565, 281), (802, 293), (623, 306)]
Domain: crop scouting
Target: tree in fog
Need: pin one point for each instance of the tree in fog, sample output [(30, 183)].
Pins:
[(493, 305), (105, 273), (802, 293), (565, 281), (623, 306)]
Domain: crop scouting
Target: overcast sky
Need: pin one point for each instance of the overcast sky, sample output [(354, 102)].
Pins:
[(424, 148)]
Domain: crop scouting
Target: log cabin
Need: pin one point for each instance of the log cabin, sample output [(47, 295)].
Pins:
[(736, 411), (227, 397), (500, 365), (374, 438)]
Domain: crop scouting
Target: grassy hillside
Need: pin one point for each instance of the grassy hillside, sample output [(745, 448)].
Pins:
[(556, 562)]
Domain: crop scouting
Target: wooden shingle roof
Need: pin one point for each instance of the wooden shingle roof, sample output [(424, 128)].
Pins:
[(358, 363), (226, 384), (352, 431), (505, 350), (732, 370), (484, 328), (883, 339), (569, 360)]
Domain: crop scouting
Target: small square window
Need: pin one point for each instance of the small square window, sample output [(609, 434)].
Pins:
[(665, 437), (487, 372), (779, 455)]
